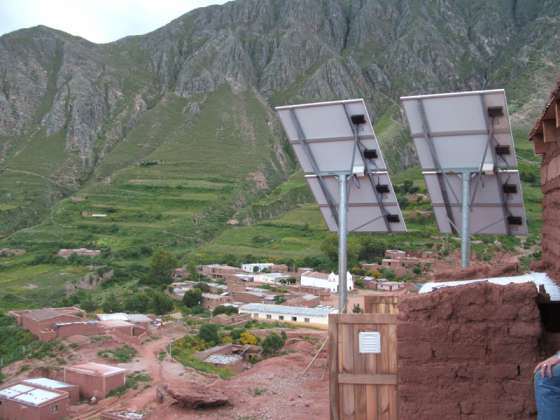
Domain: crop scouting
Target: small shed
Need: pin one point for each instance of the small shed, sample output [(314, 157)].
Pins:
[(25, 402), (95, 379)]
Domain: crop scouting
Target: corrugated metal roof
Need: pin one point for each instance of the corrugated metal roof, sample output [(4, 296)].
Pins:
[(223, 359), (539, 279), (288, 310), (37, 397), (46, 382), (14, 390)]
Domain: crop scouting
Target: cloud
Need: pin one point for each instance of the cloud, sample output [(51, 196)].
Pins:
[(96, 20)]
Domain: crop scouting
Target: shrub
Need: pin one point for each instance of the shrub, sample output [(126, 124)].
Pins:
[(161, 303), (161, 267), (247, 338), (111, 304), (192, 298), (228, 310), (139, 303), (120, 354), (272, 343), (209, 333)]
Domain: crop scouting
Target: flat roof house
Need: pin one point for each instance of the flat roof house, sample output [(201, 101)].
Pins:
[(325, 281), (95, 379), (26, 402), (42, 322), (318, 316), (52, 385)]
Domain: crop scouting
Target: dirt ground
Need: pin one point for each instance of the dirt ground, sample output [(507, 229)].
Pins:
[(272, 389)]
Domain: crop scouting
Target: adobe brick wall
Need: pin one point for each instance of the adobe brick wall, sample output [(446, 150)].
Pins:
[(468, 353), (550, 184)]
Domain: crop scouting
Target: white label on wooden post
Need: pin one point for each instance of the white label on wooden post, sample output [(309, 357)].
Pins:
[(370, 342)]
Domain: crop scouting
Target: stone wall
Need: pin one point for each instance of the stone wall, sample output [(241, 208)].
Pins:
[(468, 353), (550, 182)]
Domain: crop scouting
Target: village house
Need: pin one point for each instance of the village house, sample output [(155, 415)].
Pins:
[(217, 271), (179, 274), (42, 323), (252, 295), (95, 379), (257, 267), (80, 252), (399, 262), (212, 300), (318, 316), (325, 281), (179, 288), (20, 401), (390, 286), (270, 278)]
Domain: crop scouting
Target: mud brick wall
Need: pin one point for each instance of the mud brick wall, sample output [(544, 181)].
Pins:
[(468, 353), (550, 184)]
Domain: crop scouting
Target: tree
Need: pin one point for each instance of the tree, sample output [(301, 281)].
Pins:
[(279, 299), (272, 343), (111, 304), (202, 286), (88, 304), (222, 309), (248, 338), (209, 333), (161, 303), (138, 302), (193, 273), (192, 298), (161, 267)]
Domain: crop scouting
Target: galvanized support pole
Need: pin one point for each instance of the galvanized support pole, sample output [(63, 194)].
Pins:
[(466, 216), (342, 243)]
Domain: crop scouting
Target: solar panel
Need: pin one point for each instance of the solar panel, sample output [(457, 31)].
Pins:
[(456, 127), (364, 214), (337, 138), (326, 130), (339, 153), (486, 214), (467, 154)]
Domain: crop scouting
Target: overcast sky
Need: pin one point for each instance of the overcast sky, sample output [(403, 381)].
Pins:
[(96, 20)]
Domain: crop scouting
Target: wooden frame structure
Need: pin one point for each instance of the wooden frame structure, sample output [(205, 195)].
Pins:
[(363, 386), (547, 128)]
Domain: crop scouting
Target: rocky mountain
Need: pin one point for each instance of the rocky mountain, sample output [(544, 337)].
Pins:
[(198, 93)]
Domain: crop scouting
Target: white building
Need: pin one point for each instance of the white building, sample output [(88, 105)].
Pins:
[(256, 267), (299, 314), (270, 278), (325, 281)]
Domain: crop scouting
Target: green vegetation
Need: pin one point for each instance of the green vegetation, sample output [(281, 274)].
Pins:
[(228, 310), (133, 381), (17, 344), (183, 351), (272, 344), (122, 354)]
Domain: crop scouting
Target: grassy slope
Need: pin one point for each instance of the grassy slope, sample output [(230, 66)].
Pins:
[(173, 183), (300, 231)]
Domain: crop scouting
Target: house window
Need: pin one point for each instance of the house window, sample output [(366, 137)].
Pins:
[(294, 318), (281, 317), (306, 320), (255, 315), (54, 408), (268, 316)]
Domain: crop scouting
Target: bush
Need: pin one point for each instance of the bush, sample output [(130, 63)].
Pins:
[(161, 267), (139, 303), (209, 333), (192, 298), (248, 338), (272, 343), (161, 303), (228, 310), (111, 304), (88, 304), (236, 333), (122, 354)]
